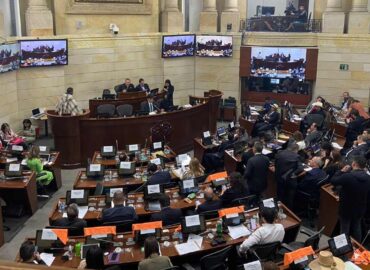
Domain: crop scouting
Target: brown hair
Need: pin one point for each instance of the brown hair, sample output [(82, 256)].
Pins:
[(298, 136), (195, 167), (34, 152), (151, 246)]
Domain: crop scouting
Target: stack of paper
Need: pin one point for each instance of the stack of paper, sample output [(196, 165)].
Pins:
[(186, 248), (236, 232), (82, 210), (196, 238), (47, 258)]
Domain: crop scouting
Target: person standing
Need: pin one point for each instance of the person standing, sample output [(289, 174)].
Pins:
[(67, 104), (169, 89)]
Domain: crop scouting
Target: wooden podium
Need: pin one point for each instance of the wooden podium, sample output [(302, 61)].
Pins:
[(66, 131)]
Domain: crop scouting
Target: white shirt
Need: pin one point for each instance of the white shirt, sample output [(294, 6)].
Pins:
[(265, 234)]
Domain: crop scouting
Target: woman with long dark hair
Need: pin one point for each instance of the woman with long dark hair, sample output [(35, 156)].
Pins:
[(153, 259)]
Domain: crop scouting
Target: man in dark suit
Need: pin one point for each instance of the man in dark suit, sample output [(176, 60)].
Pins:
[(157, 176), (248, 153), (354, 128), (168, 215), (270, 121), (366, 133), (165, 104), (360, 148), (149, 106), (142, 86), (286, 162), (313, 135), (353, 195), (211, 202), (119, 212), (72, 219), (126, 87), (257, 169)]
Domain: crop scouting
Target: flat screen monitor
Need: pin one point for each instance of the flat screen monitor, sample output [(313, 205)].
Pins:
[(193, 224), (214, 46), (268, 11), (77, 196), (44, 52), (178, 46), (46, 239), (95, 170), (9, 57), (278, 62)]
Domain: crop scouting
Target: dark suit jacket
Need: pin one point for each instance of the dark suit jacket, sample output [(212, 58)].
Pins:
[(309, 182), (274, 119), (232, 194), (163, 177), (284, 161), (246, 156), (165, 104), (170, 91), (75, 223), (168, 216), (313, 137), (358, 151), (119, 213), (145, 107), (353, 194), (256, 173), (123, 87), (146, 88), (209, 206), (354, 128)]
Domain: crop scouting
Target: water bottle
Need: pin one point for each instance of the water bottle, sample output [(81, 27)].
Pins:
[(219, 228), (78, 249), (70, 252)]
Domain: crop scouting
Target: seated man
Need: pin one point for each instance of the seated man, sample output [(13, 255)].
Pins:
[(165, 104), (270, 121), (29, 254), (366, 133), (149, 106), (309, 182), (238, 189), (354, 128), (360, 148), (313, 135), (119, 212), (211, 202), (269, 232), (72, 219), (157, 176), (142, 86), (168, 215), (126, 87)]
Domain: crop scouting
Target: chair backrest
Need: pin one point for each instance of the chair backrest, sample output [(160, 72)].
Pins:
[(217, 260), (265, 252), (125, 110), (98, 189), (210, 214), (106, 110), (121, 226), (314, 239), (248, 201), (315, 118)]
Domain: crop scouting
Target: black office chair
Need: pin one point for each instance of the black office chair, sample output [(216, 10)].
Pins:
[(72, 231), (217, 260), (248, 201), (312, 240), (315, 118), (264, 252), (98, 189), (125, 110), (212, 214), (105, 110), (121, 226)]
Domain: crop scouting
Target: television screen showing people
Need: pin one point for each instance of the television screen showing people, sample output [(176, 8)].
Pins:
[(38, 53), (9, 57), (215, 46), (278, 63), (178, 46)]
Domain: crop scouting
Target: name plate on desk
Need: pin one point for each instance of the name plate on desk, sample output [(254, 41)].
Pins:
[(42, 148), (152, 189), (157, 145), (17, 148), (188, 183), (48, 234), (125, 165), (108, 149), (77, 194), (133, 147), (192, 221)]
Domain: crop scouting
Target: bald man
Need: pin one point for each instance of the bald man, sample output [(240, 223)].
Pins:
[(211, 202), (119, 212)]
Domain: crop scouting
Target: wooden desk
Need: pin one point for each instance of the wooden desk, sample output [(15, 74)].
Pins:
[(135, 255), (247, 124), (22, 190), (289, 126), (53, 166), (200, 148), (133, 98), (328, 211), (340, 129)]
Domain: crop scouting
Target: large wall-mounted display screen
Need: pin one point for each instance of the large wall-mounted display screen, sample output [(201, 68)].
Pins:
[(9, 57), (178, 46), (215, 46)]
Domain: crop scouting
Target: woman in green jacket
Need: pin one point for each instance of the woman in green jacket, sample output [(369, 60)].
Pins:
[(35, 164)]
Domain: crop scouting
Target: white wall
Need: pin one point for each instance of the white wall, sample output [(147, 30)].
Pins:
[(5, 10), (195, 7)]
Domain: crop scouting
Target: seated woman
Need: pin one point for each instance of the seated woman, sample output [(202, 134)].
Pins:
[(43, 177), (236, 190), (10, 137), (28, 131), (95, 260), (153, 260), (28, 254), (195, 169)]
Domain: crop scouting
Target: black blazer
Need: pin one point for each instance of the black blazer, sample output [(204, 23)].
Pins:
[(168, 215), (353, 194), (284, 161), (145, 107), (119, 213), (75, 223), (163, 177), (123, 87), (309, 182), (209, 206), (358, 151), (256, 173), (232, 194), (146, 88), (354, 128), (274, 118)]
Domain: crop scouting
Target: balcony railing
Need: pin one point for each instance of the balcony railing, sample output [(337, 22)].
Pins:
[(279, 24)]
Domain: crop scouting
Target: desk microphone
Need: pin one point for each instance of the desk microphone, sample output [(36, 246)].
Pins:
[(117, 144)]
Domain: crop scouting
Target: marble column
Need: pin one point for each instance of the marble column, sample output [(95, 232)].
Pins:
[(333, 19), (39, 19), (359, 18), (172, 18), (2, 32), (230, 15), (208, 17)]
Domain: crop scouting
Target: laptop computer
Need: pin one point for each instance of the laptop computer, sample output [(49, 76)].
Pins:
[(38, 112)]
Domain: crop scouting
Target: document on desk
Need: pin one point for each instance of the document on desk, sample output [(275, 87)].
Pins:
[(47, 258), (82, 210), (266, 151), (186, 248), (197, 239), (236, 232)]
